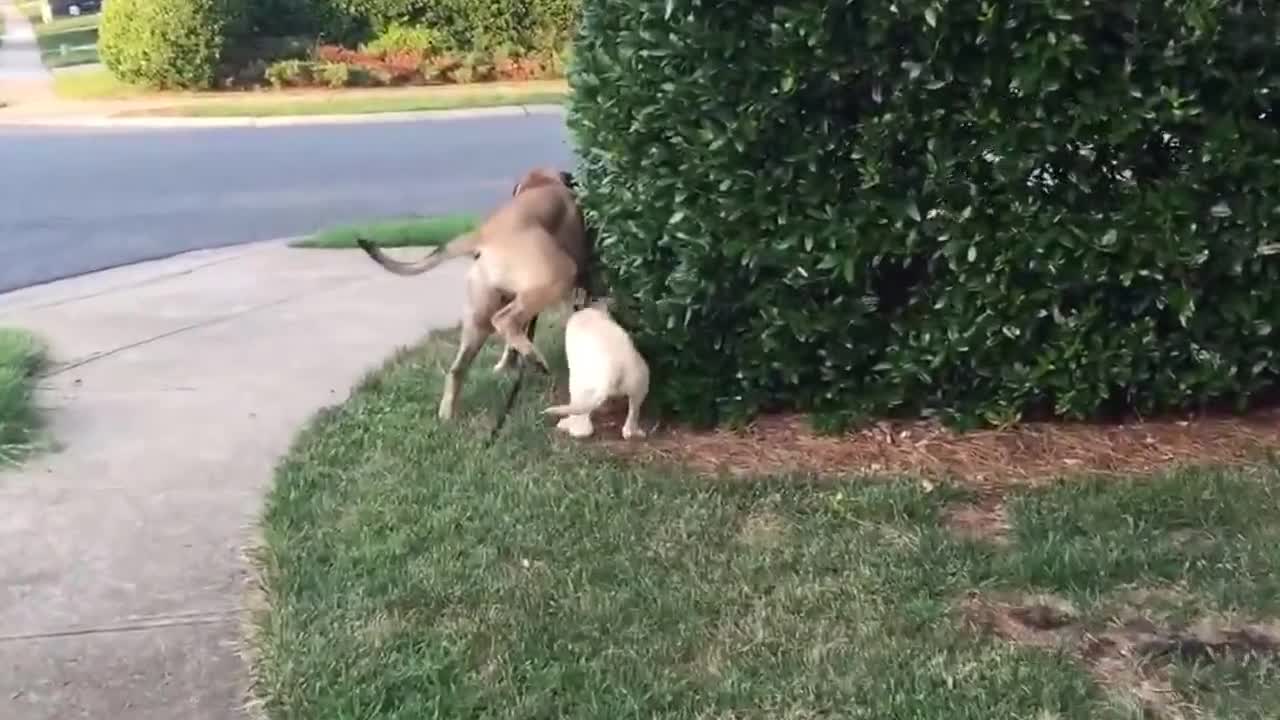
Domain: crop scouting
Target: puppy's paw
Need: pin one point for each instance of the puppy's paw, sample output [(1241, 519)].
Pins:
[(633, 432), (578, 426)]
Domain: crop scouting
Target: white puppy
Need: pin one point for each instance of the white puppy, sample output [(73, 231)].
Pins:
[(603, 363)]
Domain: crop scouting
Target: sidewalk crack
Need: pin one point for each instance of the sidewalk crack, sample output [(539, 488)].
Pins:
[(60, 369), (158, 622)]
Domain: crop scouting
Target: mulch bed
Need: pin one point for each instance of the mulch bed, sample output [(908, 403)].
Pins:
[(1025, 455)]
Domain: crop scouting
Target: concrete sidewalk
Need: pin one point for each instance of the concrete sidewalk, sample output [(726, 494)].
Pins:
[(178, 385), (23, 77)]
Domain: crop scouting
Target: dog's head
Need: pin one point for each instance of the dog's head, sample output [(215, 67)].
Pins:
[(540, 176)]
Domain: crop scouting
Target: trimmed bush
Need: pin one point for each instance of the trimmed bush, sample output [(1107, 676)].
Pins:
[(399, 38), (973, 210), (168, 43), (465, 25), (328, 20)]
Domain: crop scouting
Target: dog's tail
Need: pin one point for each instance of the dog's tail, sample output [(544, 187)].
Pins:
[(465, 244)]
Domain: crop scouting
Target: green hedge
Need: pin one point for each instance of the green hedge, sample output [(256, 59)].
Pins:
[(524, 25), (313, 18), (169, 43), (970, 209)]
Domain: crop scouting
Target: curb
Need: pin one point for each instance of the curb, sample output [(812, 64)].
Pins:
[(170, 122), (31, 296)]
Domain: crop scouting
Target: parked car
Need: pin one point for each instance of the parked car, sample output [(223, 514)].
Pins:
[(61, 8)]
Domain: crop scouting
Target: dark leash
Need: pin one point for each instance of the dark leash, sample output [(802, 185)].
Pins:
[(521, 367), (520, 372)]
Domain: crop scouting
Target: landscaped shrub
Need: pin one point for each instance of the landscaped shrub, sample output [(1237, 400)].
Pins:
[(169, 43), (337, 75), (406, 39), (969, 209), (465, 25), (400, 68), (333, 66), (291, 73)]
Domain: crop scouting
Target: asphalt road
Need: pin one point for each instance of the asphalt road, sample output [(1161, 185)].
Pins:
[(75, 201)]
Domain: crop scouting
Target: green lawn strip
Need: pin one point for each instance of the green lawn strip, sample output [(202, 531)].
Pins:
[(411, 572), (21, 356), (364, 104), (100, 84), (93, 84), (78, 35), (401, 232)]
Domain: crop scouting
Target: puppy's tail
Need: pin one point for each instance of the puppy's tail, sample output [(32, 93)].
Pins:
[(582, 407), (465, 244)]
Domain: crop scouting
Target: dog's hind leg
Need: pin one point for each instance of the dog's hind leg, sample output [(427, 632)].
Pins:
[(481, 305), (474, 334), (507, 360), (510, 322), (509, 353)]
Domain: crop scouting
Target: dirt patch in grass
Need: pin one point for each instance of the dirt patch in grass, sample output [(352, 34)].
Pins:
[(763, 530), (1131, 655), (1025, 455), (985, 520)]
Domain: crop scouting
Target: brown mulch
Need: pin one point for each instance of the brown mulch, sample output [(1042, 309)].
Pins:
[(990, 459)]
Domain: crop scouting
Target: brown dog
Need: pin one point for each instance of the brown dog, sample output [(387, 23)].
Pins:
[(528, 255)]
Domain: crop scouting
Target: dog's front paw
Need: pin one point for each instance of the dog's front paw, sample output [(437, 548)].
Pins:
[(633, 432)]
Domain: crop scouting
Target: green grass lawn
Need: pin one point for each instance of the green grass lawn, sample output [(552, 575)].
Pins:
[(364, 104), (403, 232), (94, 84), (69, 41), (21, 356), (411, 572)]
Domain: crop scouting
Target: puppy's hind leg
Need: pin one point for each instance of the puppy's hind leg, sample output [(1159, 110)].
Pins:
[(577, 414), (631, 427), (636, 395)]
